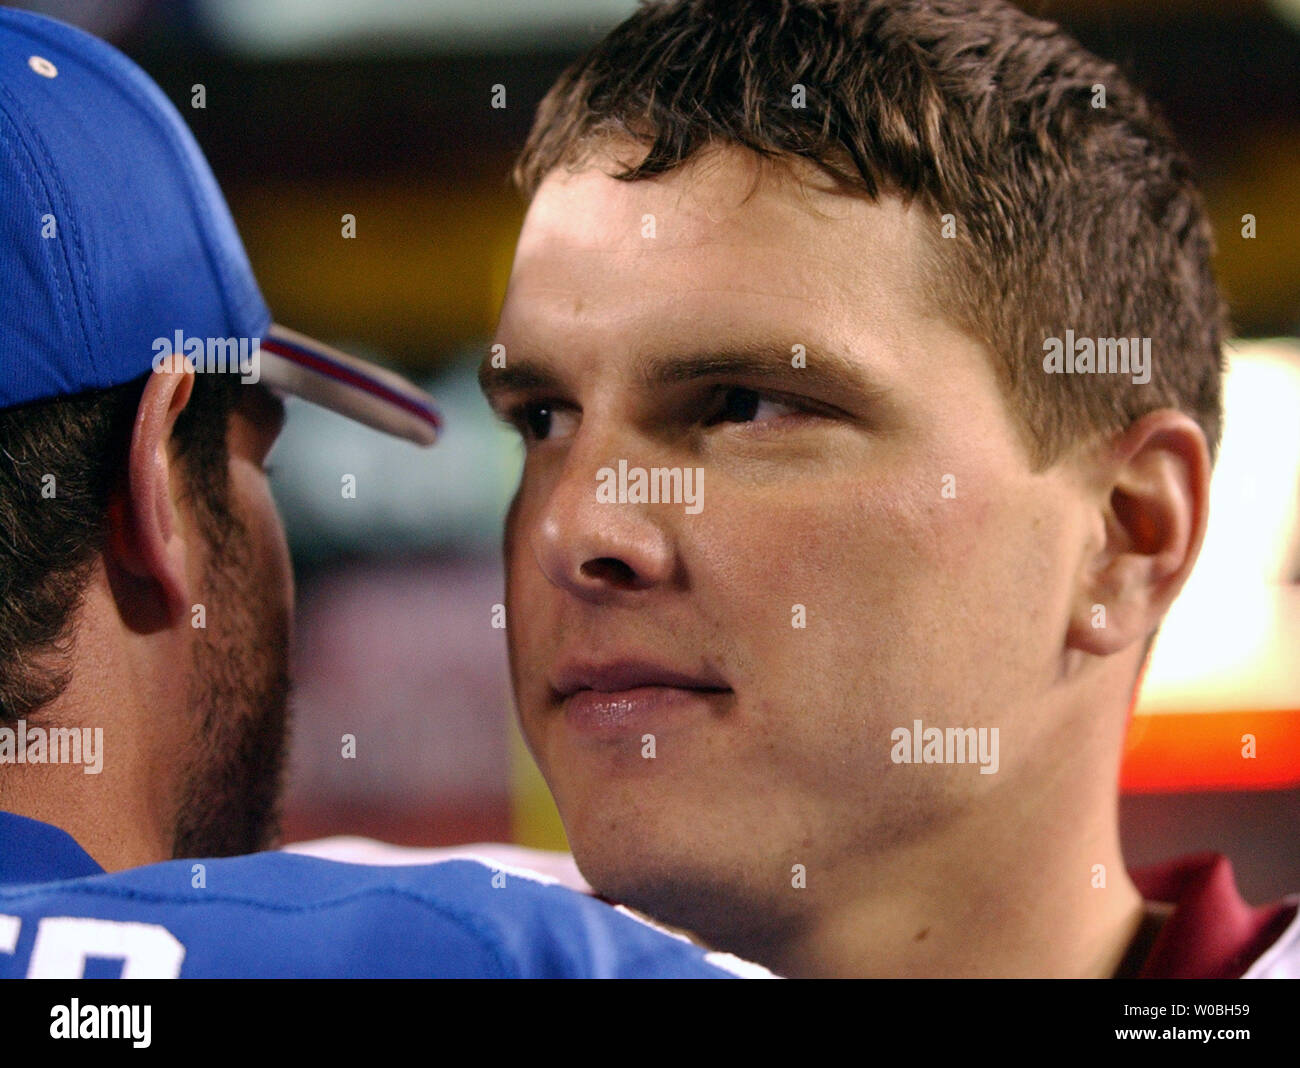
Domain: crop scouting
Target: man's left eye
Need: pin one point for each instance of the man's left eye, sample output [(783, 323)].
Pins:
[(740, 405)]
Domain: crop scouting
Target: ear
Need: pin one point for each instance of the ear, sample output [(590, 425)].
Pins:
[(1153, 506), (146, 542)]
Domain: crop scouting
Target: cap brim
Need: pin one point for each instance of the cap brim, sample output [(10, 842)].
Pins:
[(294, 363)]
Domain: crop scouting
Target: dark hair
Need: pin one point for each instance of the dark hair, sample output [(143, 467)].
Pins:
[(1067, 214), (60, 462)]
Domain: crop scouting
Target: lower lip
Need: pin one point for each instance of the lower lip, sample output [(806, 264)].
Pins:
[(595, 713)]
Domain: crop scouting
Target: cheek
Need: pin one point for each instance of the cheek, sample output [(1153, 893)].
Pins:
[(848, 588), (258, 512), (533, 610), (830, 546), (514, 564), (521, 572)]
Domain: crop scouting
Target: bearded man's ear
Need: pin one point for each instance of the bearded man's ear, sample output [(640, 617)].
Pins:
[(146, 546)]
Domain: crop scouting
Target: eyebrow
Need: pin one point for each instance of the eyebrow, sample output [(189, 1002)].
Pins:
[(527, 374), (829, 371)]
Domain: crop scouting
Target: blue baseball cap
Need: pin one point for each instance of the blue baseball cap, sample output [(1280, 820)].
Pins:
[(118, 253)]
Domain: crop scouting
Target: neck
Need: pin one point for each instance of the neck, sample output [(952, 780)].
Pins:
[(118, 800), (1008, 907), (114, 824), (1027, 881)]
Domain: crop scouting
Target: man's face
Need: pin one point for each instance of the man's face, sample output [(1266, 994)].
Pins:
[(873, 546), (240, 686)]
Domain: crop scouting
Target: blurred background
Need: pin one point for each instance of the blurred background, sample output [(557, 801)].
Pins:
[(313, 110)]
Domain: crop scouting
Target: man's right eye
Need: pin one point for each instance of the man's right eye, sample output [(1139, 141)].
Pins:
[(540, 420), (536, 419)]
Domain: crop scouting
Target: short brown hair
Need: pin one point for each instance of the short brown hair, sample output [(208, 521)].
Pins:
[(78, 448), (1067, 215)]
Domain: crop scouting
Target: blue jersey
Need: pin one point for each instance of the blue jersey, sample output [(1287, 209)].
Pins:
[(276, 915)]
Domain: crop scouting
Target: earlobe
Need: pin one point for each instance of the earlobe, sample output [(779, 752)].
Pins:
[(1154, 514), (146, 542)]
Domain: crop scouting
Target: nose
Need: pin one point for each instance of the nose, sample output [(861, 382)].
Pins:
[(600, 550)]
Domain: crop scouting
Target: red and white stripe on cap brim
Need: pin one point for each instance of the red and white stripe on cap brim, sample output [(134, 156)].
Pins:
[(294, 363)]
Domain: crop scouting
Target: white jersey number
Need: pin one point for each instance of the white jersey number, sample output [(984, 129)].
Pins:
[(64, 944)]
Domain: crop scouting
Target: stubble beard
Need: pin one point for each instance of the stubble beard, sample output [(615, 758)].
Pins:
[(229, 797)]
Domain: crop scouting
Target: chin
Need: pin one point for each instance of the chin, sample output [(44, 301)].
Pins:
[(708, 892)]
